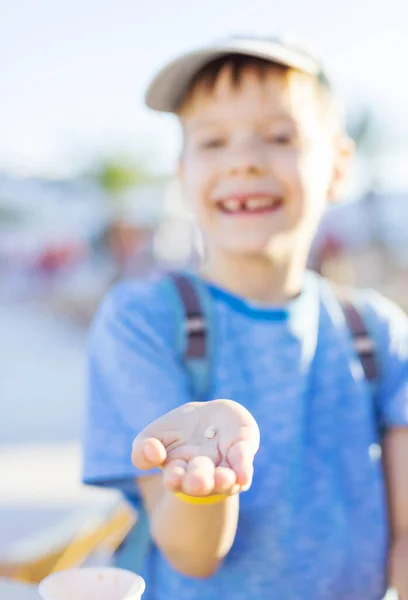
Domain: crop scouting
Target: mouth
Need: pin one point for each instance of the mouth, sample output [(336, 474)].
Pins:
[(250, 204)]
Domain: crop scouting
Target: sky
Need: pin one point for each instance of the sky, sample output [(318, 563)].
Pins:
[(73, 73)]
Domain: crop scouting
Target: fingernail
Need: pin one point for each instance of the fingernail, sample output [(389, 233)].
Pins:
[(149, 452), (235, 489)]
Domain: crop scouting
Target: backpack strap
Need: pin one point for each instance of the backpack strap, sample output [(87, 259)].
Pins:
[(195, 324), (195, 331), (364, 344), (367, 347)]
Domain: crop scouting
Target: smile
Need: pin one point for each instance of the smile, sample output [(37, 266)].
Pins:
[(250, 204)]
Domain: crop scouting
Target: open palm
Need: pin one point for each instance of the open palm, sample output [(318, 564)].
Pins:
[(203, 448)]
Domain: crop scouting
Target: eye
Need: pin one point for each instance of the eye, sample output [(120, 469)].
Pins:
[(281, 139), (211, 143)]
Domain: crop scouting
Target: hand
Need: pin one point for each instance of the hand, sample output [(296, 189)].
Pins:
[(203, 448), (398, 567)]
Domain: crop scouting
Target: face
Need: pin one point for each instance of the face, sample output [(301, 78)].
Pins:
[(259, 161)]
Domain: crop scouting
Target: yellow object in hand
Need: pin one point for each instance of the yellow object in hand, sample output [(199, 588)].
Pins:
[(213, 499)]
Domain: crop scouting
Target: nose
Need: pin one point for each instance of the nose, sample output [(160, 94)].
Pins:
[(245, 157)]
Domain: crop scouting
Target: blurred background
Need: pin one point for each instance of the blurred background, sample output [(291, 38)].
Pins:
[(88, 196)]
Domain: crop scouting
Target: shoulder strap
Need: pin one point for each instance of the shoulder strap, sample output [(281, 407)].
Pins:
[(196, 332), (368, 349), (364, 344), (195, 323)]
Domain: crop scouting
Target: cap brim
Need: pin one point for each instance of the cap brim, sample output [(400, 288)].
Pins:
[(170, 84)]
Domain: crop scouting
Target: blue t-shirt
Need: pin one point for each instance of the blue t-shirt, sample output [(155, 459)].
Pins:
[(313, 525)]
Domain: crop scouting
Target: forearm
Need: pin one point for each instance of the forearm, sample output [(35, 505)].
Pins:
[(396, 474), (194, 538)]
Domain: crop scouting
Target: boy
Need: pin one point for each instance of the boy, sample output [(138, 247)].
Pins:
[(264, 152)]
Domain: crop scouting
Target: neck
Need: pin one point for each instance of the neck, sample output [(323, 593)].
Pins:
[(256, 278)]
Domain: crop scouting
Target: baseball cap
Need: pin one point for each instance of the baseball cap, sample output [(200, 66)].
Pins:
[(171, 83)]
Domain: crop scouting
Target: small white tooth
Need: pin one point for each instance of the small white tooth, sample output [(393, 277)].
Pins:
[(210, 432)]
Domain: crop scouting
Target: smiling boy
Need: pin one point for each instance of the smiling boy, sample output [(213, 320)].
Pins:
[(264, 152)]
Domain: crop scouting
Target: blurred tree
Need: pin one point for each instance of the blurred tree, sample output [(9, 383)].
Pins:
[(9, 216), (117, 174), (363, 130), (370, 137), (131, 215)]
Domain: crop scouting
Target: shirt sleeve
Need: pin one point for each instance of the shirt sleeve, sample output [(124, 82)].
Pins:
[(391, 325), (134, 377)]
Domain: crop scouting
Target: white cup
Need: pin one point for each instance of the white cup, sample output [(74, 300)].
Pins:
[(92, 583)]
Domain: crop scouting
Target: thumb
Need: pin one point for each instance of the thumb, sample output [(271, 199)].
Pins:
[(148, 453)]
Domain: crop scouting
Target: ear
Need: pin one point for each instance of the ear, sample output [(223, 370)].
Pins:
[(181, 180), (343, 157), (180, 169)]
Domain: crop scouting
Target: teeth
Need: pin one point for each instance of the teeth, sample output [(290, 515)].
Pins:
[(255, 203), (232, 205)]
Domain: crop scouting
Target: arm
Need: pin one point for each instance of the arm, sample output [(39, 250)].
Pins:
[(396, 474), (395, 449), (193, 538), (134, 378), (196, 537), (392, 328)]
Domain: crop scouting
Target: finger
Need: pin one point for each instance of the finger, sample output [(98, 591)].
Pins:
[(199, 477), (224, 480), (148, 453), (173, 474), (241, 458)]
